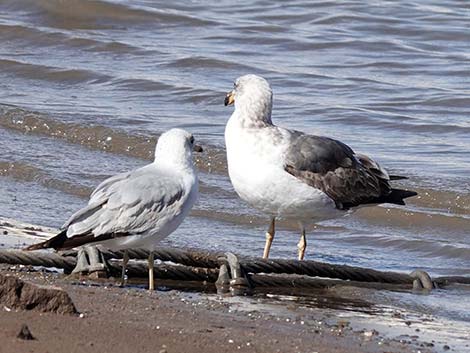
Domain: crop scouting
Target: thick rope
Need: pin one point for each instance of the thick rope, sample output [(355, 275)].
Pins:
[(185, 257), (37, 258), (447, 280), (163, 271), (318, 269), (302, 282), (204, 266), (196, 258)]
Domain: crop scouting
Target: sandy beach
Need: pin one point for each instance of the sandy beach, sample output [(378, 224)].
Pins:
[(133, 320)]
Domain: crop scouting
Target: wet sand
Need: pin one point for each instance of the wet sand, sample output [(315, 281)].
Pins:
[(131, 319)]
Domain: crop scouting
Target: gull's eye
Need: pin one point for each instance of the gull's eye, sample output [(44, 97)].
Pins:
[(191, 140)]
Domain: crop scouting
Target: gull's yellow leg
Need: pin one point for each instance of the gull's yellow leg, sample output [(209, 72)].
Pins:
[(125, 260), (269, 239), (151, 263), (302, 245)]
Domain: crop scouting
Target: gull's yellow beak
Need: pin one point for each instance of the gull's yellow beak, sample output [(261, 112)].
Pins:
[(229, 98)]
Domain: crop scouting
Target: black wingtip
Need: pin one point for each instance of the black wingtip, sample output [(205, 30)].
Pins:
[(397, 177), (38, 246), (409, 193), (54, 242), (397, 196)]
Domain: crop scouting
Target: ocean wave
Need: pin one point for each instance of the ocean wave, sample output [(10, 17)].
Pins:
[(57, 75), (97, 14), (28, 173), (42, 38), (100, 138)]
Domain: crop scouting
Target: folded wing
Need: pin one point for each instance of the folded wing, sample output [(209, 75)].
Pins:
[(349, 179), (125, 204)]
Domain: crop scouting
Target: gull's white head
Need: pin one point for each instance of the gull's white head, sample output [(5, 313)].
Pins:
[(175, 146), (253, 99)]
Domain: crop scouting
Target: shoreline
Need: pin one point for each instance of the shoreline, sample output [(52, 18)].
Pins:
[(131, 319), (345, 320)]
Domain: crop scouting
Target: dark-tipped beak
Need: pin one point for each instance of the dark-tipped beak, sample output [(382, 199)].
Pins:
[(229, 98), (198, 148)]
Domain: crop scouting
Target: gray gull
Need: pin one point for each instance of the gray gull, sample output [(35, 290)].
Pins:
[(137, 209)]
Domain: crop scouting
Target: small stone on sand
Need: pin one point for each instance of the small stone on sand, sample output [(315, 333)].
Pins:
[(17, 294), (25, 333)]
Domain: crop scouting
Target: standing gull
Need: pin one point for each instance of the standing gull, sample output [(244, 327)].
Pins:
[(289, 174), (137, 208)]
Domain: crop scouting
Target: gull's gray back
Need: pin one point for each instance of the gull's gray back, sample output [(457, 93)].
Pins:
[(130, 203)]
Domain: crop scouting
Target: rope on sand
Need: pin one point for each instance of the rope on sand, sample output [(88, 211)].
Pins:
[(169, 272), (230, 273), (183, 257), (46, 259), (197, 258)]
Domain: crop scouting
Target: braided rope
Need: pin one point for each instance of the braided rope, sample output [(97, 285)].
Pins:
[(163, 271), (446, 280), (204, 266), (301, 282), (185, 257), (318, 269), (38, 258)]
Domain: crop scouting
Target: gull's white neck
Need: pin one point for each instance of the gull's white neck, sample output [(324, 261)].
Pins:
[(178, 159), (253, 112)]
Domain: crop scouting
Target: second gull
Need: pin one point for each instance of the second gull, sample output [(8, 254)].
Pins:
[(292, 175), (138, 208)]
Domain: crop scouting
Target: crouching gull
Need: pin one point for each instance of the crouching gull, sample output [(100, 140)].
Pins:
[(137, 208), (289, 174)]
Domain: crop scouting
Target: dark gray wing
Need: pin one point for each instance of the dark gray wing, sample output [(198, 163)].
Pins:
[(333, 167)]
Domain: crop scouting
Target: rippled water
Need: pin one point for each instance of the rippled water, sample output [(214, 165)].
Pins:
[(86, 87)]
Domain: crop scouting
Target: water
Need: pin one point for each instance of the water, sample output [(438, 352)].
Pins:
[(86, 87)]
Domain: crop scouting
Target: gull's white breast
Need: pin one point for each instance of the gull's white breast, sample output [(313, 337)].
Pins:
[(256, 167)]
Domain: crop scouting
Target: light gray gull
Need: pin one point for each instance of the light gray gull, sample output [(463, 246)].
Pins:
[(292, 175), (139, 208)]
